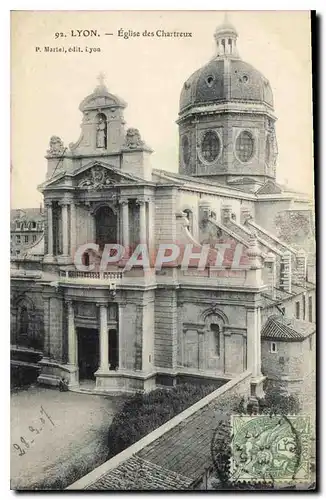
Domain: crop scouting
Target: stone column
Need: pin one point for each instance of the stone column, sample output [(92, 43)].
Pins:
[(73, 233), (104, 338), (65, 240), (50, 228), (125, 226), (142, 221), (72, 336), (151, 227)]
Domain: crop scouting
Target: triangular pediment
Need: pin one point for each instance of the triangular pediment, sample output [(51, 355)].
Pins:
[(269, 187), (98, 175), (94, 175)]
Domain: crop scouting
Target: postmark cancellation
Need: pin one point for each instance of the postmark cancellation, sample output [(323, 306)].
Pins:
[(268, 448)]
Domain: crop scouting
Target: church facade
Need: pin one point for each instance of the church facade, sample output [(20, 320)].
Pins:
[(128, 329)]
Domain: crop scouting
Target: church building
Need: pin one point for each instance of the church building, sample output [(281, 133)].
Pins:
[(121, 329)]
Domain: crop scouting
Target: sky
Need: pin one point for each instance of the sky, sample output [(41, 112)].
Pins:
[(148, 73)]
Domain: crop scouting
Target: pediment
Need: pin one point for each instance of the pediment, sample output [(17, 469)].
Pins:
[(102, 99), (94, 176), (269, 187), (97, 176)]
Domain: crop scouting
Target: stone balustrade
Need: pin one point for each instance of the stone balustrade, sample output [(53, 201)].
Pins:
[(110, 276)]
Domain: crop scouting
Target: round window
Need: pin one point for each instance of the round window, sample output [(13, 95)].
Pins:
[(186, 149), (210, 146), (244, 146)]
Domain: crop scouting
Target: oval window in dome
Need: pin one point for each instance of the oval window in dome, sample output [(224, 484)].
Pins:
[(186, 150), (210, 146), (210, 80), (244, 146)]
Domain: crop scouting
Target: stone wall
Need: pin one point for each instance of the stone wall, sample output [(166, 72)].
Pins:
[(165, 220), (25, 294), (166, 316), (292, 362)]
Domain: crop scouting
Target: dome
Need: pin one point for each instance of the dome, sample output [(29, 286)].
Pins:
[(225, 80), (226, 77)]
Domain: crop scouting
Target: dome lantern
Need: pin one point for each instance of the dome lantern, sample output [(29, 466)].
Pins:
[(226, 39)]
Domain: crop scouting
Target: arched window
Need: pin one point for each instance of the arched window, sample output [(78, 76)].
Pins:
[(215, 329), (106, 226)]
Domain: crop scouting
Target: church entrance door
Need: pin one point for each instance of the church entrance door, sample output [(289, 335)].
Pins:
[(113, 349), (88, 352)]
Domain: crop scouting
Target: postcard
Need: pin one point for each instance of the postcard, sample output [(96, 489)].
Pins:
[(163, 254)]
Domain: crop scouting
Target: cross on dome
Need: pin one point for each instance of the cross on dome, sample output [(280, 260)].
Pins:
[(101, 79), (101, 87)]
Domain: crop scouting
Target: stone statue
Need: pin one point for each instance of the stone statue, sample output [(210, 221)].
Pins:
[(133, 139), (56, 146), (101, 133)]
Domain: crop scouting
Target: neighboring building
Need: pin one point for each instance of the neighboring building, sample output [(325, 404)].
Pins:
[(133, 329), (26, 230), (289, 354)]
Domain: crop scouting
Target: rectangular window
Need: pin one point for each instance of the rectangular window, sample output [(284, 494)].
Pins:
[(310, 308), (303, 307), (273, 347), (34, 237), (297, 310), (18, 238), (26, 238)]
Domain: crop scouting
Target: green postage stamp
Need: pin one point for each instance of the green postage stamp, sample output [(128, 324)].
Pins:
[(270, 449)]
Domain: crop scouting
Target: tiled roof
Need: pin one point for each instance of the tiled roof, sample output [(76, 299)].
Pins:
[(188, 178), (175, 460), (27, 214), (287, 329), (139, 474)]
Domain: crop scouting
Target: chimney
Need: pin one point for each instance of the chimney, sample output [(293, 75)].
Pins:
[(301, 262), (285, 272)]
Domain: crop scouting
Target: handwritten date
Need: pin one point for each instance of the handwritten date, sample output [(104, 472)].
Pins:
[(25, 443)]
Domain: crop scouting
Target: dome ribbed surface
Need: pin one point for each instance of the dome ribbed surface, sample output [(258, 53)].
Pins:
[(225, 79)]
